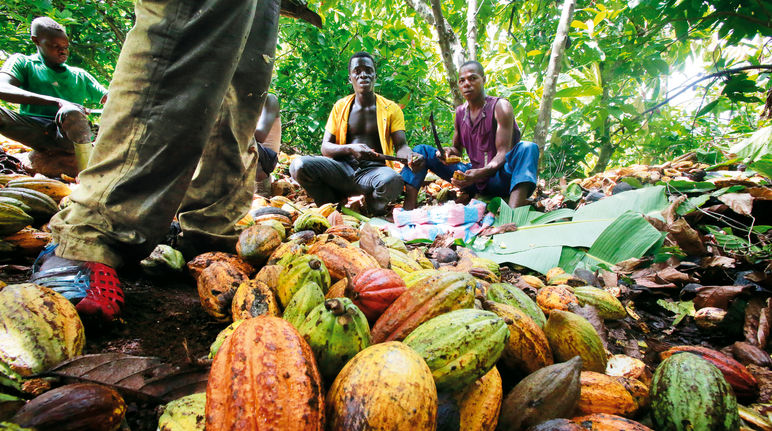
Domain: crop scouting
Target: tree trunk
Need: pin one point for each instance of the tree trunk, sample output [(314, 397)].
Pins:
[(453, 54), (551, 78), (604, 134), (471, 29)]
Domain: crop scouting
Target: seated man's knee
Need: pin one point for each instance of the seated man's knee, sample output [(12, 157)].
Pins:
[(299, 168), (528, 147), (74, 124)]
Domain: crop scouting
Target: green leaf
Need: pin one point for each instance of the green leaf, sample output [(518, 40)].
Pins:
[(692, 204), (521, 216), (575, 234), (540, 259), (573, 192), (755, 146), (562, 213), (648, 200), (763, 166), (680, 308), (761, 229), (633, 182), (629, 236), (707, 108), (582, 91), (686, 186), (730, 189)]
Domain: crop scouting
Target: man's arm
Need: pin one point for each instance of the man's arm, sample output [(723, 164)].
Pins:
[(506, 119), (12, 93), (333, 150)]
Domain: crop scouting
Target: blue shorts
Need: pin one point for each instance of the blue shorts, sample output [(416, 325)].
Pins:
[(520, 166)]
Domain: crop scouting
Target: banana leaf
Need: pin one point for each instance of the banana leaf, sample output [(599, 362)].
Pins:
[(648, 200), (541, 247), (629, 236)]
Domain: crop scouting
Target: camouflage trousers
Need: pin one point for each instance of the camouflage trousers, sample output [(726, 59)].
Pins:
[(174, 138)]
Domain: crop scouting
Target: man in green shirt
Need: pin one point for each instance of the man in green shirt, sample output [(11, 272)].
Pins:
[(51, 119)]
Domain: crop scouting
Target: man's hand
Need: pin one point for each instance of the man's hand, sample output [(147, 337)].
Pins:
[(465, 179), (416, 162), (451, 156), (362, 152)]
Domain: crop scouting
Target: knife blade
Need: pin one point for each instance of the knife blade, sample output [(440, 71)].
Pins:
[(394, 158), (436, 137)]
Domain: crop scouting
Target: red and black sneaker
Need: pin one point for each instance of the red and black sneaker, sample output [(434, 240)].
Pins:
[(93, 287)]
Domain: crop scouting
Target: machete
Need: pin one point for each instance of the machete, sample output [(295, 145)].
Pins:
[(436, 137)]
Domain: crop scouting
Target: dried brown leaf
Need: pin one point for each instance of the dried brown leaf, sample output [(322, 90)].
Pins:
[(763, 193), (670, 213), (672, 275), (651, 284), (717, 262), (138, 376), (371, 242), (627, 266), (758, 316), (610, 279), (494, 230), (741, 203), (717, 296), (687, 238)]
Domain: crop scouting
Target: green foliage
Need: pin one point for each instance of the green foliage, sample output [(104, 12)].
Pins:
[(96, 30), (617, 69)]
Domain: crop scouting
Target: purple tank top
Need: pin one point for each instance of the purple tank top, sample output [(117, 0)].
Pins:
[(479, 136)]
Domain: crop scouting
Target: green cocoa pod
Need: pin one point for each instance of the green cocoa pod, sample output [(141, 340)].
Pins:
[(608, 305), (311, 220), (215, 346), (505, 293), (570, 335), (690, 393), (297, 272), (336, 331), (184, 414), (460, 346), (302, 302)]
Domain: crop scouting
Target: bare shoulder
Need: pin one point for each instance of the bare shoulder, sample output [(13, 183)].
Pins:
[(503, 107), (503, 110)]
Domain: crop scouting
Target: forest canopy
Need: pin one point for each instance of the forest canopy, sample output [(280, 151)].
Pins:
[(640, 81)]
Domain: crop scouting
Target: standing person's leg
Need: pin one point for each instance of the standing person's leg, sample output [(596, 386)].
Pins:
[(381, 186), (172, 75), (324, 179), (224, 183), (516, 179)]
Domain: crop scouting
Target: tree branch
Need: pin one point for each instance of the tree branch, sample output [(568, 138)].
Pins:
[(551, 78), (448, 41), (471, 29), (692, 84), (119, 34), (422, 9)]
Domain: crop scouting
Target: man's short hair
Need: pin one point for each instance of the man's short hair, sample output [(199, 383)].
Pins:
[(360, 54), (43, 25), (476, 64)]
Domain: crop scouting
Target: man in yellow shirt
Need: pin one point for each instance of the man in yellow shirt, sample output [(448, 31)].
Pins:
[(360, 127)]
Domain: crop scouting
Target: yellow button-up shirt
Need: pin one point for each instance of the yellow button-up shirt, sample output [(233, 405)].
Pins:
[(390, 120)]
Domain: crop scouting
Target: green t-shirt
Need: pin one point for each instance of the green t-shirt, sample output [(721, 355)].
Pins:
[(72, 84)]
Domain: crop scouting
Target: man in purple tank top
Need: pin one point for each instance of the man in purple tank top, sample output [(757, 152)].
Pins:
[(500, 164)]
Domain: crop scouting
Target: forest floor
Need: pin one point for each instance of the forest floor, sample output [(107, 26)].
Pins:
[(163, 316)]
